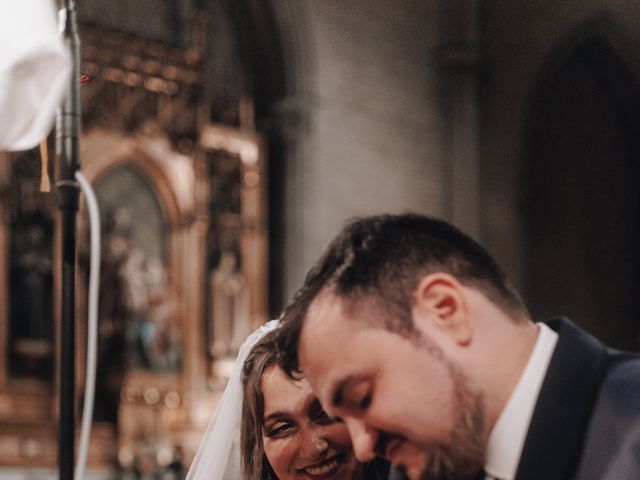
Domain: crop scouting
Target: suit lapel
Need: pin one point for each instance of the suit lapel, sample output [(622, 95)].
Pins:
[(555, 438)]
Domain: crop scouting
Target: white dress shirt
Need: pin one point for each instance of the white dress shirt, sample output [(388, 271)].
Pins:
[(507, 437)]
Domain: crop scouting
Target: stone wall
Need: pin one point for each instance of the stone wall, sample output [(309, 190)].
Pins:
[(373, 142)]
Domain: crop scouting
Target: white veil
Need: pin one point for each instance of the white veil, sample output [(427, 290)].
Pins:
[(34, 72), (218, 456)]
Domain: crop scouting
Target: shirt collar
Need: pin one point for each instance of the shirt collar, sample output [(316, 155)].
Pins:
[(507, 437)]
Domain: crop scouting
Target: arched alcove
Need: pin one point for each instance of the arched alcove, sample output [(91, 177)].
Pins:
[(133, 281), (582, 204), (144, 190)]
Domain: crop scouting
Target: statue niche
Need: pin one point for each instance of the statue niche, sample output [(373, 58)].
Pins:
[(229, 305), (137, 307)]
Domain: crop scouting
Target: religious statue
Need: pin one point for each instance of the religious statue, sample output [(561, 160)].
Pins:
[(230, 307)]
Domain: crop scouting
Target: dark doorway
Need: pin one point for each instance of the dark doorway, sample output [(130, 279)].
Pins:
[(583, 200)]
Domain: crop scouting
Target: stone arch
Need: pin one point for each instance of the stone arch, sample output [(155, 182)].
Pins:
[(170, 177), (169, 173), (580, 205)]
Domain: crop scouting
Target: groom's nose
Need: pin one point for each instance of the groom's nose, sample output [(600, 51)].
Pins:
[(363, 439)]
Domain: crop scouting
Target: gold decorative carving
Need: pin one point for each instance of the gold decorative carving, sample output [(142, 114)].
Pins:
[(142, 112)]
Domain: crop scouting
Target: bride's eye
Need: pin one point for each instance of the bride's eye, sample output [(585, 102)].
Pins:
[(279, 430)]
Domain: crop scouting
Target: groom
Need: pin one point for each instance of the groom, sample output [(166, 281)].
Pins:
[(411, 334)]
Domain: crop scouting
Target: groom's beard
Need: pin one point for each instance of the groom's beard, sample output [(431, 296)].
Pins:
[(461, 456)]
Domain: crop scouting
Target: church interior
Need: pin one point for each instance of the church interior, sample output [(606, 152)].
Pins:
[(228, 140)]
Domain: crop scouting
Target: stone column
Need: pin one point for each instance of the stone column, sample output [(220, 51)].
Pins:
[(461, 60)]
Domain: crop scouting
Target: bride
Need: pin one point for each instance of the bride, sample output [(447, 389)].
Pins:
[(285, 434)]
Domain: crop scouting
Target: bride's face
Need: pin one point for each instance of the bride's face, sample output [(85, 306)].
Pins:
[(299, 440)]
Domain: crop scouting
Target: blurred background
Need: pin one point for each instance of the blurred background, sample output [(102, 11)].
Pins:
[(228, 140)]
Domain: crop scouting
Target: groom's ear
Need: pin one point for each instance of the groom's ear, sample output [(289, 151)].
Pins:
[(440, 307)]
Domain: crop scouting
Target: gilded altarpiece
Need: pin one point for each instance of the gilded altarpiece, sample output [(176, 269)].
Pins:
[(183, 267)]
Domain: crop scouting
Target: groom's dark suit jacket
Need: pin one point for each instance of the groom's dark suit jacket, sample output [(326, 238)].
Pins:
[(586, 422)]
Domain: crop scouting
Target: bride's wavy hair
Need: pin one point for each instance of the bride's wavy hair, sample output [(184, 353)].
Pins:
[(255, 465)]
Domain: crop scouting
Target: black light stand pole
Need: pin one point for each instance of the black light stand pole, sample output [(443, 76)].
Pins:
[(67, 134)]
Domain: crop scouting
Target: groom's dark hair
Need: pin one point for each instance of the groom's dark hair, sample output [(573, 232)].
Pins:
[(381, 259)]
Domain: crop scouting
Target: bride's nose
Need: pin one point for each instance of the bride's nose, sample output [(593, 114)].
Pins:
[(313, 444)]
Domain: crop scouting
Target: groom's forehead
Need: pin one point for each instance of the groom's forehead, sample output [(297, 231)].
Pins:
[(329, 330), (324, 339), (344, 307), (329, 313), (324, 316)]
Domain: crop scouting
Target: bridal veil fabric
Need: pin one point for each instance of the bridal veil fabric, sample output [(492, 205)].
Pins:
[(219, 453), (34, 72)]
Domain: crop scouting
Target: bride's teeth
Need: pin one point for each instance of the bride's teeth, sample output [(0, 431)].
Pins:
[(321, 470)]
